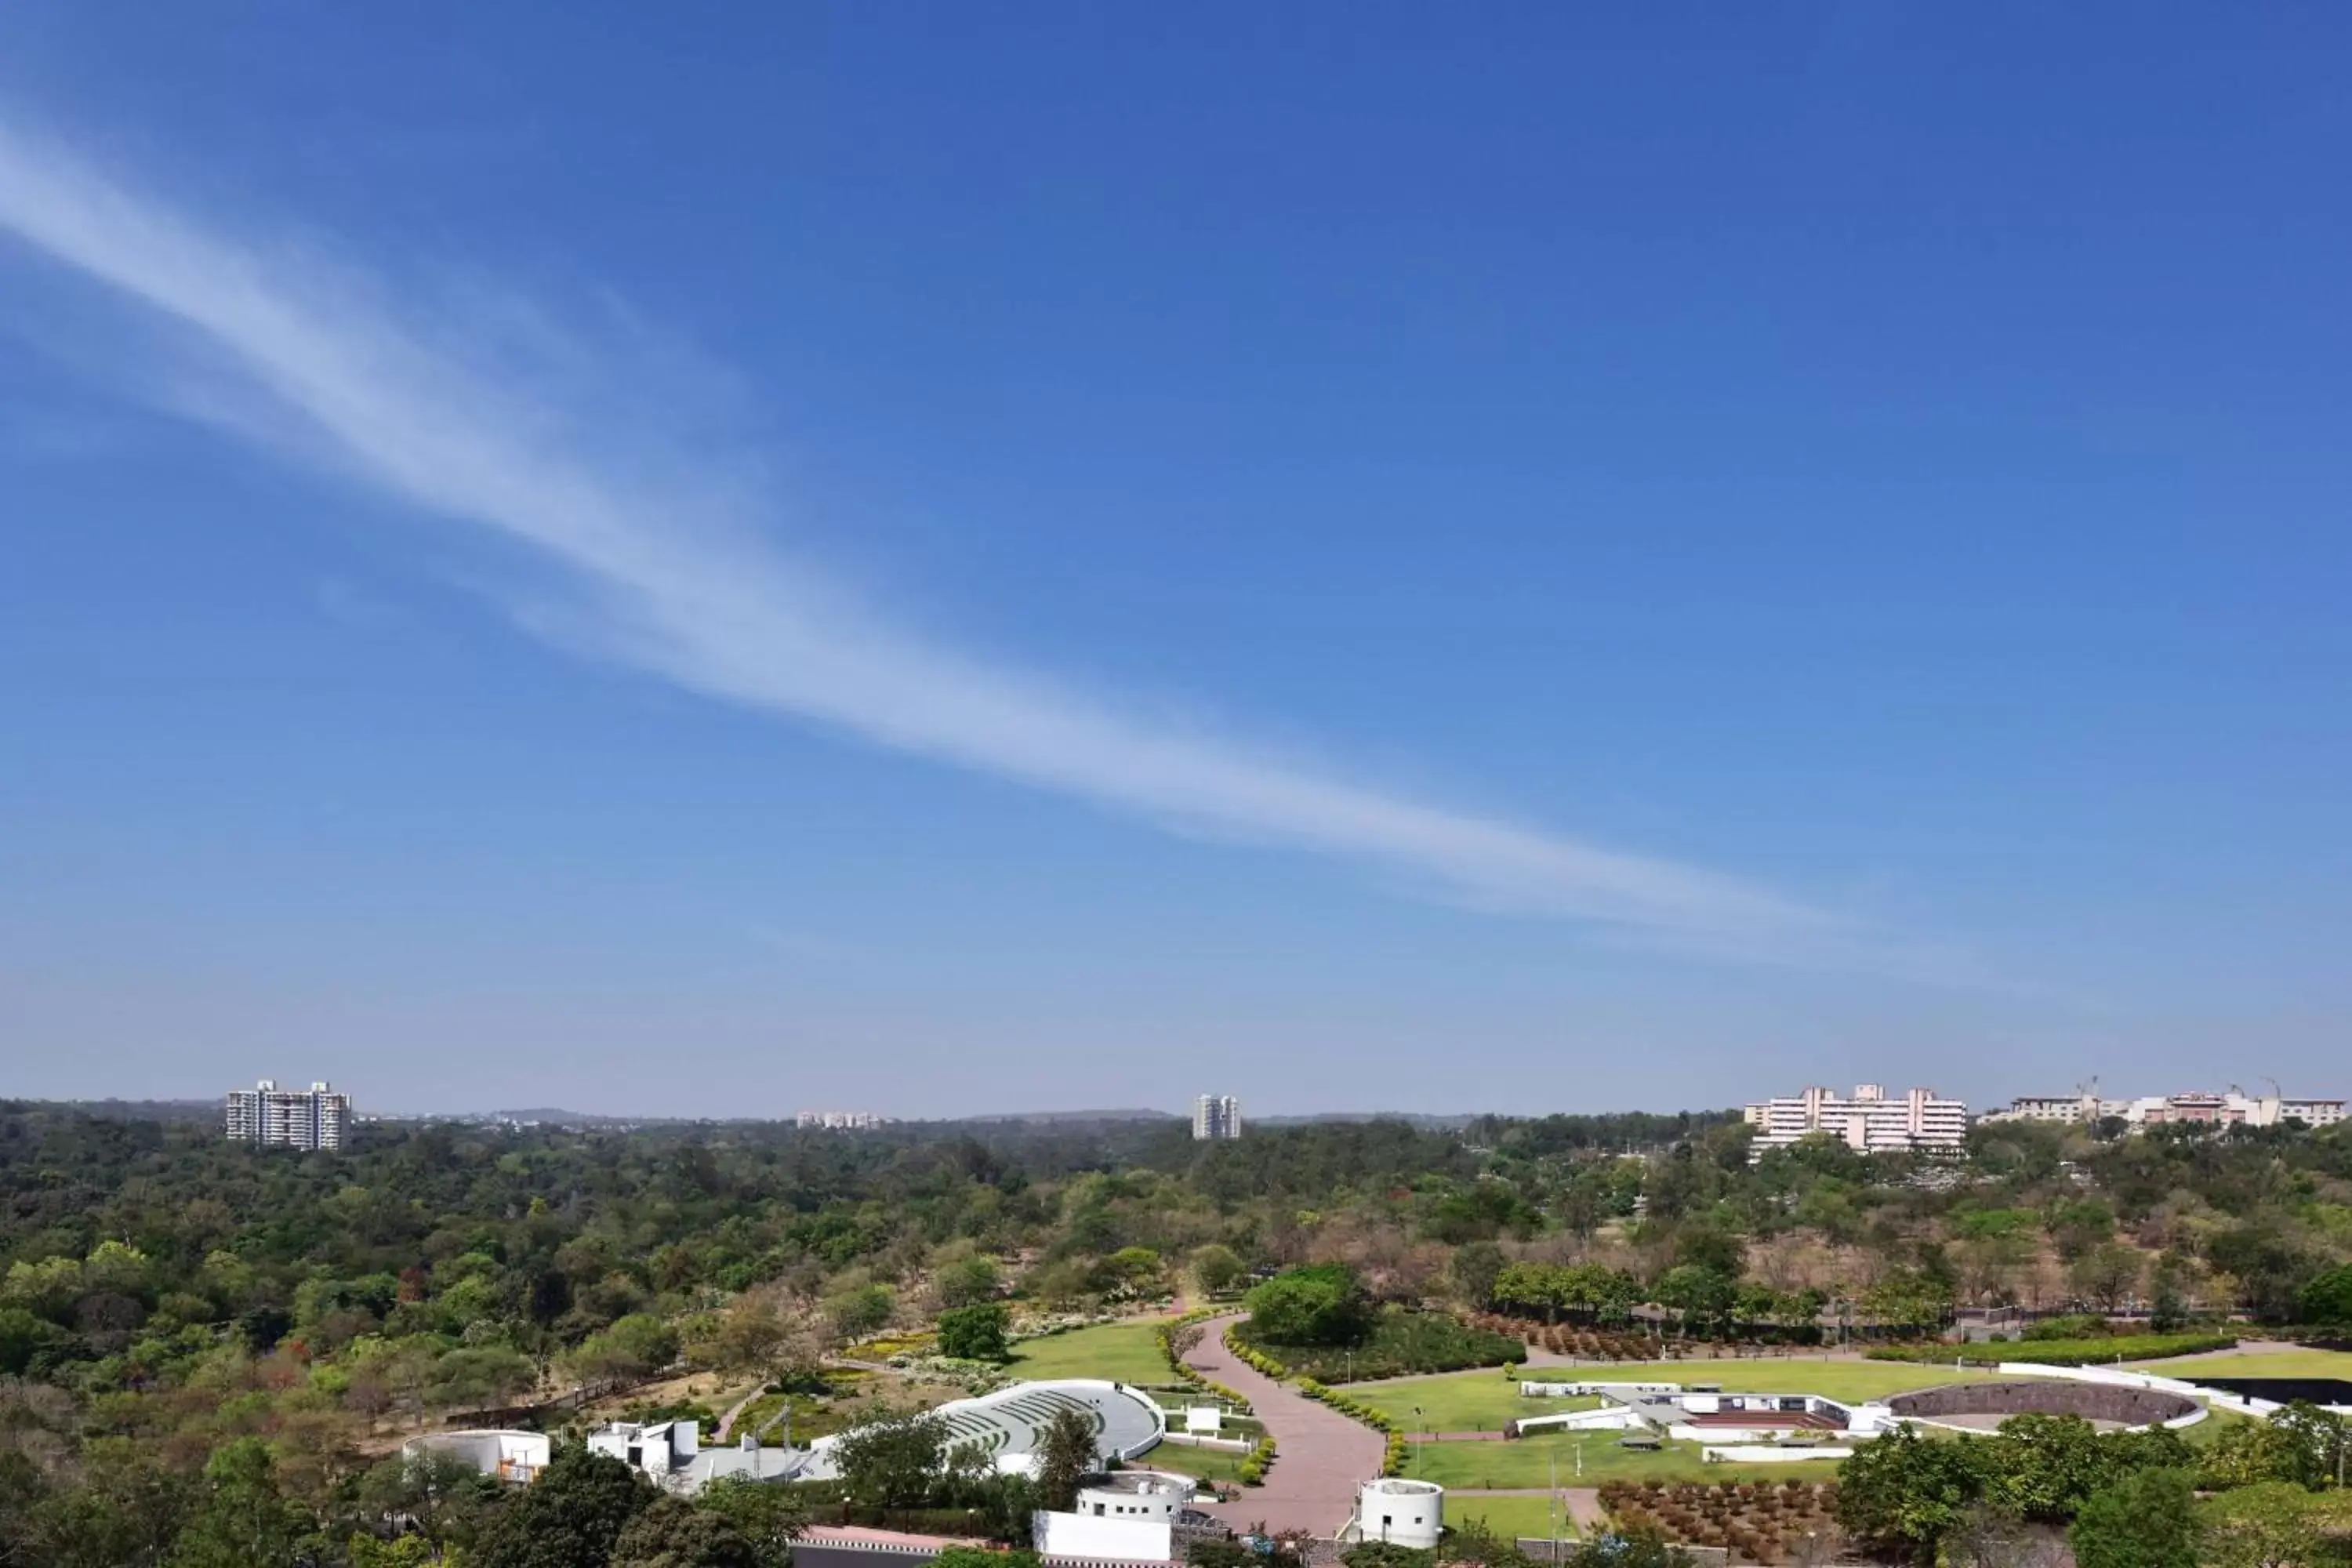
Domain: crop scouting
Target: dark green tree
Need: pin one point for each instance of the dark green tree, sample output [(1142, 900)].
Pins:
[(768, 1516), (1473, 1271), (1218, 1268), (1387, 1554), (891, 1462), (976, 1332), (1067, 1454), (1904, 1493), (2147, 1519), (2329, 1297), (1213, 1552), (1324, 1305), (128, 1510), (441, 1498), (670, 1532), (242, 1519), (967, 1281), (569, 1517)]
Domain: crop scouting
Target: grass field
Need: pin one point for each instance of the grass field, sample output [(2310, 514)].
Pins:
[(2256, 1363), (1510, 1517), (1126, 1353), (1529, 1463), (1203, 1464), (1457, 1401), (1483, 1401)]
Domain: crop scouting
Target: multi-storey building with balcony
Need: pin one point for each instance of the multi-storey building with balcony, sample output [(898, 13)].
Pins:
[(1870, 1120), (315, 1118)]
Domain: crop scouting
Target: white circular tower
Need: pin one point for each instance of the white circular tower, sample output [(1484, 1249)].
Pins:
[(1402, 1511)]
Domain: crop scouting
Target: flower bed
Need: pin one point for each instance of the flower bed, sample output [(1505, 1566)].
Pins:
[(1756, 1521), (1401, 1343), (1568, 1340)]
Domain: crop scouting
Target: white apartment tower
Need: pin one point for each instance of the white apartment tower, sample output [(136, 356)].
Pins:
[(1869, 1120), (1216, 1116), (315, 1118)]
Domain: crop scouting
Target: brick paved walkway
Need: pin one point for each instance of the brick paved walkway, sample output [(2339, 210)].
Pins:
[(1320, 1455)]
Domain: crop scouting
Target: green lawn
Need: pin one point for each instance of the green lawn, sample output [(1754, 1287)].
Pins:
[(1511, 1517), (1457, 1401), (1124, 1352), (1529, 1463), (1203, 1464), (2258, 1364)]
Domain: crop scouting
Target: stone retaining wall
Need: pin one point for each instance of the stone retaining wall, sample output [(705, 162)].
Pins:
[(2091, 1401)]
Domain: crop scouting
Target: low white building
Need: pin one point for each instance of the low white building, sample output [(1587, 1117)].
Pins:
[(1126, 1516), (1870, 1120), (670, 1454), (2234, 1107), (513, 1456)]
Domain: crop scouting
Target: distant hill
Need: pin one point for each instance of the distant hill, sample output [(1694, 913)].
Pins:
[(1053, 1118), (557, 1116), (1411, 1117), (141, 1110)]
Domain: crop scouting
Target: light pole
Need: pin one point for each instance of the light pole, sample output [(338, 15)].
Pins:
[(1551, 1506)]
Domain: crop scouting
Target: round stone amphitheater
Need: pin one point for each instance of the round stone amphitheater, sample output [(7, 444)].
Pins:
[(1983, 1407)]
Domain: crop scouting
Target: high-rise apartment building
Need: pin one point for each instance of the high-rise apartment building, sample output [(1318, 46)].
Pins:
[(315, 1118), (1216, 1116), (1870, 1120)]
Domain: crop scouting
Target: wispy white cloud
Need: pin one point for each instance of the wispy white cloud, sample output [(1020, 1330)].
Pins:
[(664, 557)]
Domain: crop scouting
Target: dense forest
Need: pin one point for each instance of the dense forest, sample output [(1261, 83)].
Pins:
[(209, 1352)]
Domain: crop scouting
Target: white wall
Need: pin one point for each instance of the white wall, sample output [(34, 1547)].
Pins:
[(1082, 1535), (1408, 1516)]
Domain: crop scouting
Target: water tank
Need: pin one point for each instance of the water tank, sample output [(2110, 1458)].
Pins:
[(1402, 1511)]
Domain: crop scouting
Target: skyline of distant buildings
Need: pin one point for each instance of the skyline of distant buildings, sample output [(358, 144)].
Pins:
[(841, 1121), (1870, 1119), (271, 1117), (2234, 1107), (1216, 1116)]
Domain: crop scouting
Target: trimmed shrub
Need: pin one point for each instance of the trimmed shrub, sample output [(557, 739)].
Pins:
[(2065, 1352)]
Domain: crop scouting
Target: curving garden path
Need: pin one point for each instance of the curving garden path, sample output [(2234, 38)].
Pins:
[(1320, 1455)]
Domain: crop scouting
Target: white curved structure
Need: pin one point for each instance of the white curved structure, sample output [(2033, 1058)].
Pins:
[(1007, 1426), (1136, 1494), (1400, 1511), (516, 1457)]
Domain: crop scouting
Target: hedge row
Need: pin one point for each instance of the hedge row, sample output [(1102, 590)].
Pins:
[(1250, 1357), (2066, 1352), (1188, 1375), (1356, 1410), (1257, 1461)]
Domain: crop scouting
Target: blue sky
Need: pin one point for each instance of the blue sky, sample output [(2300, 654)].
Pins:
[(939, 562)]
